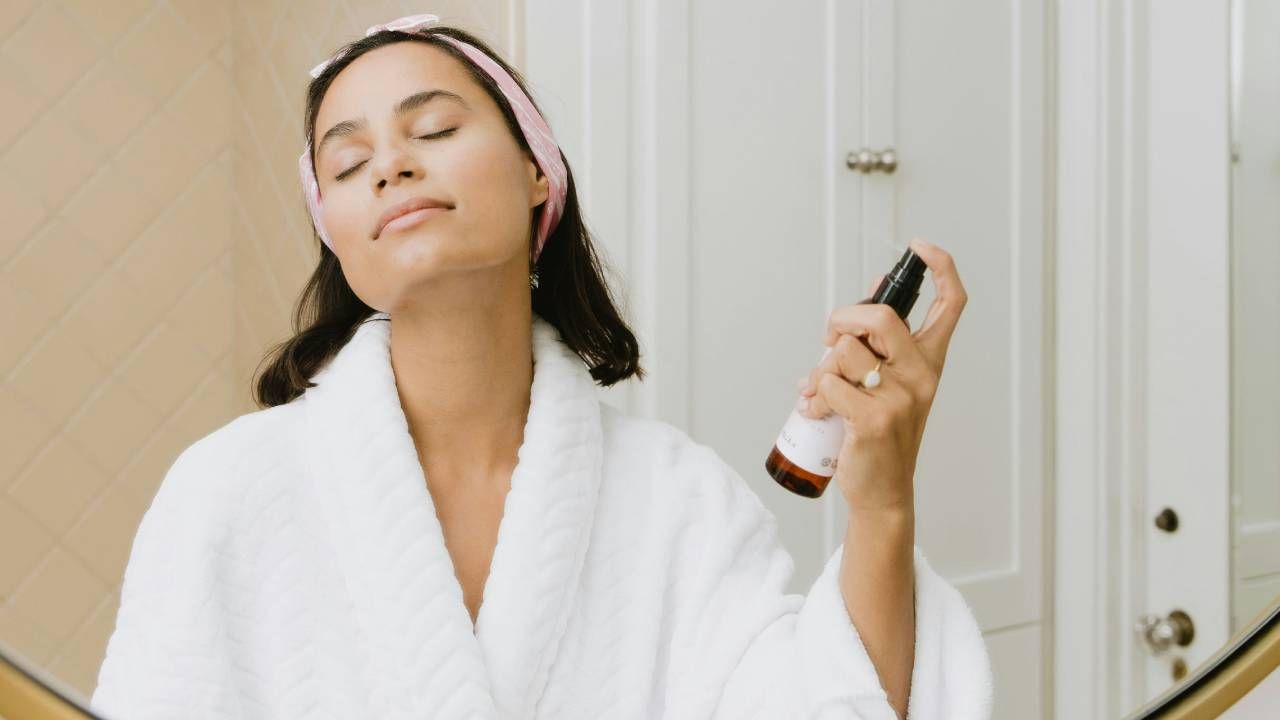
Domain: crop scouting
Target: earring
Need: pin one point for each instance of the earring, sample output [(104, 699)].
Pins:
[(533, 278)]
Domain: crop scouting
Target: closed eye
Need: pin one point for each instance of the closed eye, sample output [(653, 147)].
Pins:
[(443, 133)]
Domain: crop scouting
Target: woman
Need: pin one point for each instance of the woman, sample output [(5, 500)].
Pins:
[(434, 516)]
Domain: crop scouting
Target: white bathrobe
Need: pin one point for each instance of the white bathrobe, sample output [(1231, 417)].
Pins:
[(292, 565)]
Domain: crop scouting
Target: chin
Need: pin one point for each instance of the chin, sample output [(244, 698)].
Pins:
[(427, 256), (418, 249)]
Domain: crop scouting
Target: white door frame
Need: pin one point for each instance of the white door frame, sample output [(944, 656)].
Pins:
[(1142, 343)]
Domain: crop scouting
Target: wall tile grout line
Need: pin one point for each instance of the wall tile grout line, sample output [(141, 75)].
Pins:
[(111, 156), (91, 505), (116, 264), (113, 374)]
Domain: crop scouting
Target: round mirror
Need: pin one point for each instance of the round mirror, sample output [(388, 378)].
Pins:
[(1100, 479)]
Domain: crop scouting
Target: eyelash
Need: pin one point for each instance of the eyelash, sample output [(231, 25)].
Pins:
[(443, 133)]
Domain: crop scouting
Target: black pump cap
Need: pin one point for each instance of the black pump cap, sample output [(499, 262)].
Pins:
[(901, 287)]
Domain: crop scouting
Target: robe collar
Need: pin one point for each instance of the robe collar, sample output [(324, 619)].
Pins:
[(388, 542)]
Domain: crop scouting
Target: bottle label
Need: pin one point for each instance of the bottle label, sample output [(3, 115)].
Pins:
[(812, 444)]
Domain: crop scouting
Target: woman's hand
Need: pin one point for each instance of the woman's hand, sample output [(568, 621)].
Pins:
[(876, 465), (884, 425)]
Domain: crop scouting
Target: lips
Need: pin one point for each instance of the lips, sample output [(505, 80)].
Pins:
[(411, 205)]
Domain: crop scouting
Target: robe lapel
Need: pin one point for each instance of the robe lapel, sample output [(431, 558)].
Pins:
[(424, 652), (545, 529)]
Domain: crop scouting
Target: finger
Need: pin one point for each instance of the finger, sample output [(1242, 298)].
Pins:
[(848, 357), (838, 395), (852, 359), (879, 324), (934, 335), (871, 292)]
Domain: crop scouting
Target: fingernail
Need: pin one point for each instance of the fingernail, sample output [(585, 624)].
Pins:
[(802, 405), (802, 382)]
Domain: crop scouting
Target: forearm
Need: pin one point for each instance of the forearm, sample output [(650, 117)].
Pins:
[(877, 576)]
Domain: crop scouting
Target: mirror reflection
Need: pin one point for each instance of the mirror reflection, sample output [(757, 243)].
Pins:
[(877, 359)]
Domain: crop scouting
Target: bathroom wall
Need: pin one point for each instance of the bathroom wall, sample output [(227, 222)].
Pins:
[(154, 241)]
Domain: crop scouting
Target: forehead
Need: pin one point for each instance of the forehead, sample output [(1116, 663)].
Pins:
[(372, 84)]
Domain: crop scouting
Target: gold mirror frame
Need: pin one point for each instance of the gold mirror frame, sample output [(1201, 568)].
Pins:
[(1230, 674), (28, 693)]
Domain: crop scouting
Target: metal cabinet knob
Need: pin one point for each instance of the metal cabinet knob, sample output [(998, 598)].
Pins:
[(1167, 520), (868, 161), (888, 161), (1160, 634)]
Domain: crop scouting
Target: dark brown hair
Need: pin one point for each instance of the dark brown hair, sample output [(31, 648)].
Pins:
[(572, 293)]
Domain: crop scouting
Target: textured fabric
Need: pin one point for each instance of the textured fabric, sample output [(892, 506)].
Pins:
[(292, 565)]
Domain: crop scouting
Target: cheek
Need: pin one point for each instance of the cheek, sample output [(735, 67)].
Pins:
[(342, 219), (471, 173), (485, 175)]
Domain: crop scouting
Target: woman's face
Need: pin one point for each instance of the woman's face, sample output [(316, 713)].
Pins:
[(378, 157)]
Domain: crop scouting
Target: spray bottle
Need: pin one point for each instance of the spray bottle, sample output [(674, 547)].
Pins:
[(803, 459)]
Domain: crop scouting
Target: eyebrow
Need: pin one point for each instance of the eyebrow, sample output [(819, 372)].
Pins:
[(407, 105)]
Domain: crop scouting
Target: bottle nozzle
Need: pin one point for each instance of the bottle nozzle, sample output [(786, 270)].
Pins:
[(901, 286)]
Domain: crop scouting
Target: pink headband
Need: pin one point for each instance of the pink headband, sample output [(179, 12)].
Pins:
[(535, 129)]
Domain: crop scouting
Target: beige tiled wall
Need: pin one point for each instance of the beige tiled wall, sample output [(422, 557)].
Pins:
[(152, 243)]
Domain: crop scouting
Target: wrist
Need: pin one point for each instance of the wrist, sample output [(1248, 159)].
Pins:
[(897, 511), (882, 527)]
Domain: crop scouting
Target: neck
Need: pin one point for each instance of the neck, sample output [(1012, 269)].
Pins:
[(463, 372)]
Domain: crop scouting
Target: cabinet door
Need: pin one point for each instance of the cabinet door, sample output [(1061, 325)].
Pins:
[(711, 139)]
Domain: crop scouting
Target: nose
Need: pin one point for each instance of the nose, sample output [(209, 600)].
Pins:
[(393, 165), (402, 173)]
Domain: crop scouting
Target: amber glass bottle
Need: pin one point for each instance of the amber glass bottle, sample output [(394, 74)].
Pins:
[(803, 459)]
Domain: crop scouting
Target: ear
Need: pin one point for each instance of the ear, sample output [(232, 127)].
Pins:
[(541, 190)]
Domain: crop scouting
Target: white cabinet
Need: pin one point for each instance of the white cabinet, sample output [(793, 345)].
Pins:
[(710, 139)]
